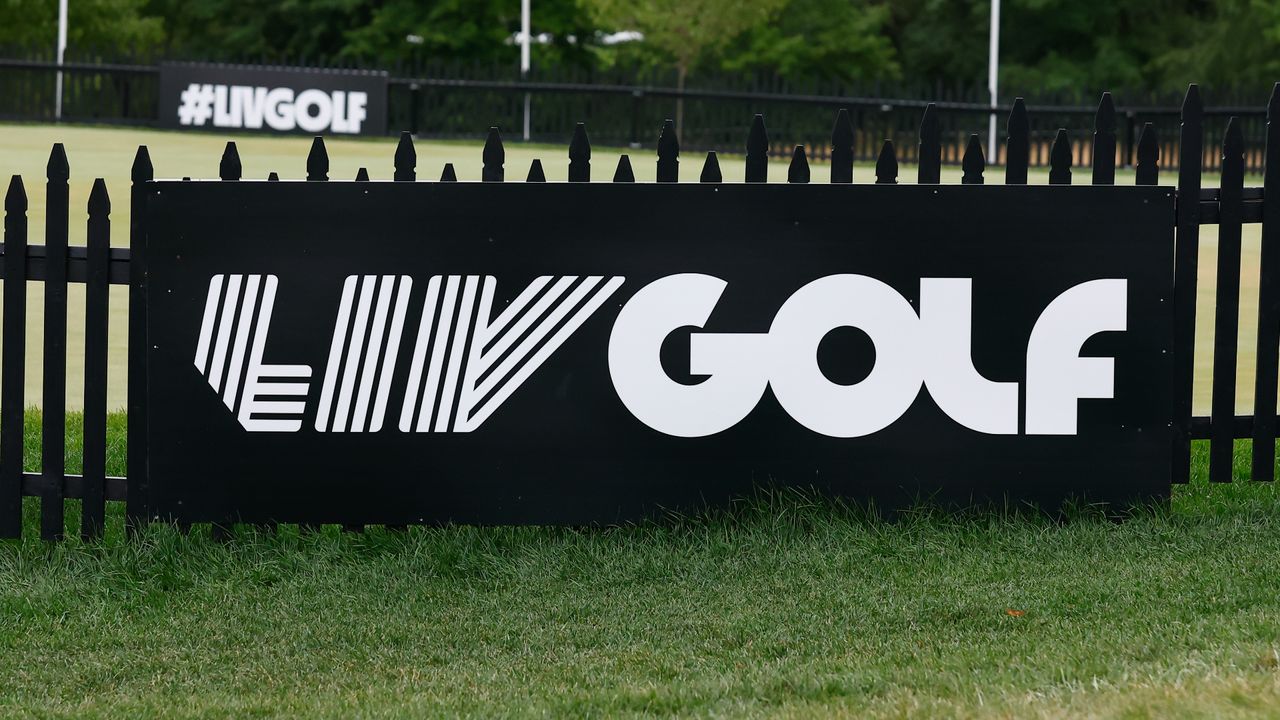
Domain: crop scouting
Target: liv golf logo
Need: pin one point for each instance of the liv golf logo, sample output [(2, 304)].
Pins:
[(465, 360), (251, 107)]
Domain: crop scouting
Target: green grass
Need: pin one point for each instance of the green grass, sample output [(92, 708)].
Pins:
[(108, 153), (785, 606)]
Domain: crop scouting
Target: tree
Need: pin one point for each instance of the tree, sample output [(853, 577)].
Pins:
[(92, 24), (685, 31), (842, 39)]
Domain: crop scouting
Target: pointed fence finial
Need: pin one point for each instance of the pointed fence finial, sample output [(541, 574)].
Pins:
[(757, 151), (229, 167), (798, 170), (930, 168), (448, 174), (273, 176), (1060, 159), (99, 200), (668, 153), (142, 170), (493, 156), (362, 175), (15, 200), (1104, 142), (535, 172), (58, 170), (318, 161), (580, 155), (624, 173), (406, 159), (1148, 170), (974, 162), (1017, 152), (887, 165), (711, 169), (842, 148), (1192, 105)]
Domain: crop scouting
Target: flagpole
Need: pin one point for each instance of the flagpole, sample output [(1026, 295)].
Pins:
[(525, 39), (993, 78), (62, 49)]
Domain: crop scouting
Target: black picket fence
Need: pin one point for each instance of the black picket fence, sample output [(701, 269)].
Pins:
[(57, 264), (448, 100)]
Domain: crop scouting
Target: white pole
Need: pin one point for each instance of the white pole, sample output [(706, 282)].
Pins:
[(526, 36), (62, 49), (993, 78)]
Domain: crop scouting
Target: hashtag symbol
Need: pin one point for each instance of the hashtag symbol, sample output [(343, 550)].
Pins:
[(197, 104)]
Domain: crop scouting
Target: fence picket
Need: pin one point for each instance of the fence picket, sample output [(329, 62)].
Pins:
[(842, 148), (1268, 362), (711, 169), (1227, 304), (624, 174), (1060, 159), (757, 151), (929, 168), (536, 173), (974, 163), (362, 174), (12, 373), (668, 153), (887, 165), (798, 170), (405, 160), (229, 168), (493, 156), (138, 480), (96, 299), (448, 174), (1104, 142), (1018, 145), (1148, 170), (318, 161), (1186, 264), (579, 155), (53, 435)]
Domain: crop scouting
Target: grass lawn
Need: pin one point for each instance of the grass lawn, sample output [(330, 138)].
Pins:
[(108, 153), (786, 606)]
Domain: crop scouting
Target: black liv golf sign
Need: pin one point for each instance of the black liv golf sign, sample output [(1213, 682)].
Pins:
[(402, 353)]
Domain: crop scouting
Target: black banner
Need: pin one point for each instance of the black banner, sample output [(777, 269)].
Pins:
[(529, 353), (273, 99)]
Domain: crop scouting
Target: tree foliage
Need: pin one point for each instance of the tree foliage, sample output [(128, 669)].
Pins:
[(1078, 45)]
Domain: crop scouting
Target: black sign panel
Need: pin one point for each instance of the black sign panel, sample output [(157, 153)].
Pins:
[(530, 353), (273, 99)]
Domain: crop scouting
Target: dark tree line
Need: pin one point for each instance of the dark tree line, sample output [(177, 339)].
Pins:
[(1046, 44)]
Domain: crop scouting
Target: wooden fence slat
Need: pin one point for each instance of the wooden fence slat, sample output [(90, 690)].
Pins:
[(929, 169), (12, 373), (711, 169), (1186, 267), (580, 155), (1227, 304), (96, 299), (139, 484), (53, 434), (842, 148), (973, 163), (493, 157), (1268, 348), (1060, 159), (1018, 146), (757, 151), (624, 173), (1104, 142), (798, 170), (668, 153), (887, 165), (1148, 170)]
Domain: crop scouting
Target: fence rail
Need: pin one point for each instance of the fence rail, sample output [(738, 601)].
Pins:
[(55, 264), (439, 101)]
